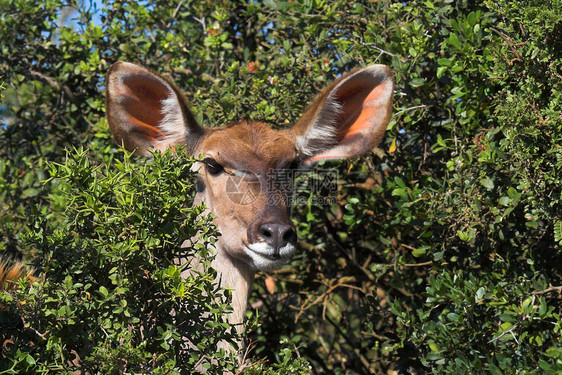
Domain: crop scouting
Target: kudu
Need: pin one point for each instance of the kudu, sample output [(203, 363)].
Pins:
[(147, 111)]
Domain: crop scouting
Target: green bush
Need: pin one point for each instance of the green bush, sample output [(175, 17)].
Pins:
[(442, 254), (112, 301)]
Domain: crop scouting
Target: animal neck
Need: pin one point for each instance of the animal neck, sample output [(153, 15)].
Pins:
[(238, 277), (232, 274)]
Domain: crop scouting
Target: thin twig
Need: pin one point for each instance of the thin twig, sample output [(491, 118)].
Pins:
[(548, 290), (417, 264), (244, 362), (200, 361), (202, 22), (392, 265), (54, 84), (510, 43), (382, 51), (506, 332), (175, 14), (320, 298), (412, 108), (28, 326)]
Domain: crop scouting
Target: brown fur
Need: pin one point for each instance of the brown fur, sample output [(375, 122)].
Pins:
[(11, 272)]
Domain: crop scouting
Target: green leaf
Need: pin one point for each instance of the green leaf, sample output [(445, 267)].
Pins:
[(505, 201), (444, 62), (103, 291), (30, 192), (487, 182), (480, 293), (452, 316), (417, 82), (558, 232), (454, 41), (418, 252), (494, 370), (30, 360)]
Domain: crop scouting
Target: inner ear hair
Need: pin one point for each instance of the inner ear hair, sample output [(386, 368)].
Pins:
[(349, 117)]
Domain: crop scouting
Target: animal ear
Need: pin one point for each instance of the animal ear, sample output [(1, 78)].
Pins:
[(146, 111), (349, 117)]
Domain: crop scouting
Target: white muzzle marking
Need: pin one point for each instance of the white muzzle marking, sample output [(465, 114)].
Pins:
[(265, 258)]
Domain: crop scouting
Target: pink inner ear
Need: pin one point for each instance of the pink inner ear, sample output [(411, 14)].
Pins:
[(361, 124), (142, 104), (146, 130), (359, 108)]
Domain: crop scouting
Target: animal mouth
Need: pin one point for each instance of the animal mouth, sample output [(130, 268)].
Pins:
[(267, 258)]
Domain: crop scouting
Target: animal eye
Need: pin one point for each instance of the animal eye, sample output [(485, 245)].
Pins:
[(213, 168)]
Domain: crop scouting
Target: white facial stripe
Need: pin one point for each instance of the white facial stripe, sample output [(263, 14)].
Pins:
[(195, 167), (239, 173), (243, 174)]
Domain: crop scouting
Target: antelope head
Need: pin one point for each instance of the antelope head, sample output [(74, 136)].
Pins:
[(241, 161)]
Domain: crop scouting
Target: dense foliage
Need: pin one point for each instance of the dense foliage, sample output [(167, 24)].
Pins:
[(441, 253), (105, 304)]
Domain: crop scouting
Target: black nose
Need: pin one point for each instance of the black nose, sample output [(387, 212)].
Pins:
[(277, 235)]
